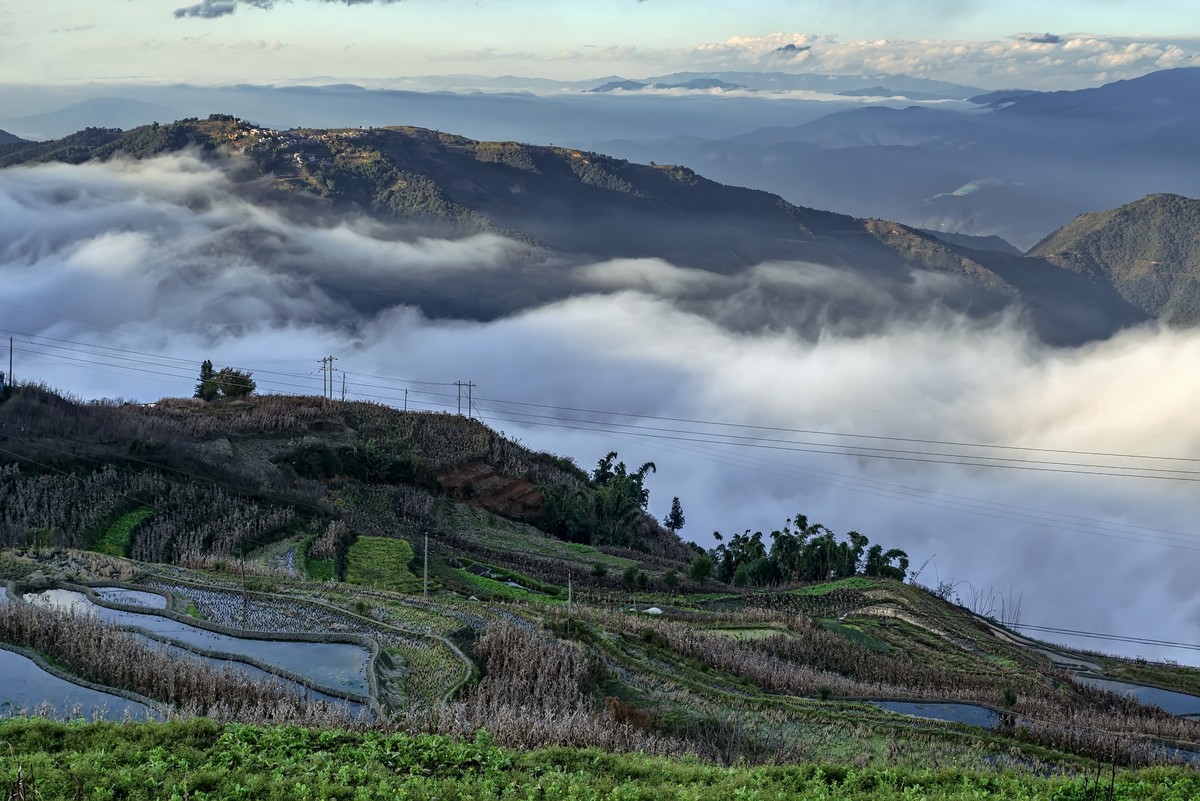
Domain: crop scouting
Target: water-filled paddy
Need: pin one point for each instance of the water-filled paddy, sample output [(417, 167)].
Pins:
[(258, 674), (969, 714), (336, 666), (1175, 703), (119, 595), (26, 685)]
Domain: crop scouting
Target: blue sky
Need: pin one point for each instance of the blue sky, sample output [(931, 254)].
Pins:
[(279, 40)]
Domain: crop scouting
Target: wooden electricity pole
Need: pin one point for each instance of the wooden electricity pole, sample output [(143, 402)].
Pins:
[(327, 379), (245, 597), (470, 385)]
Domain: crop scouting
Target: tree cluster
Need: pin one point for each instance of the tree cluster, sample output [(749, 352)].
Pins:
[(800, 551), (225, 383), (609, 513)]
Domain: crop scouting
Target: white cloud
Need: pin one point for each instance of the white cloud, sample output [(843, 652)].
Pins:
[(652, 275), (1076, 60)]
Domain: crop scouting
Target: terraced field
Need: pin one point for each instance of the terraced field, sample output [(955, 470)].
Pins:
[(856, 670)]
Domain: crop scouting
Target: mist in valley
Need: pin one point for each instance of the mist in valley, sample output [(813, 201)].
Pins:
[(120, 278)]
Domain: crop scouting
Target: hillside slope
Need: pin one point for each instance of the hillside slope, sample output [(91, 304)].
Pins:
[(286, 467), (287, 518), (1149, 250)]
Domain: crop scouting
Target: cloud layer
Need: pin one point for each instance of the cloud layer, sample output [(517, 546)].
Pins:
[(168, 258), (210, 9), (1031, 60)]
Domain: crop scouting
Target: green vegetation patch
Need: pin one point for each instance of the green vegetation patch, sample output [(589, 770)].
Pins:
[(381, 562), (542, 587), (315, 569), (482, 585), (116, 539), (319, 569), (855, 583), (748, 632), (1173, 677), (857, 636), (200, 759)]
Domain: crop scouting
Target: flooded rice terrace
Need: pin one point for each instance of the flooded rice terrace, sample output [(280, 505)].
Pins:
[(1169, 701), (969, 714), (27, 687), (340, 667)]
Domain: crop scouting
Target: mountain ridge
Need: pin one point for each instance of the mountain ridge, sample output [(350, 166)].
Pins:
[(589, 206), (1148, 249)]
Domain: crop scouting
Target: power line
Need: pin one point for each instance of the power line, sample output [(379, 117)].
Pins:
[(955, 503), (1035, 466), (802, 446), (708, 439), (699, 422), (849, 435), (1102, 636)]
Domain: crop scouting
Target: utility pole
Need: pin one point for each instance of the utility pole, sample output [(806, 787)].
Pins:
[(245, 597), (470, 385), (406, 399), (10, 352), (569, 588), (327, 379), (343, 386), (426, 583)]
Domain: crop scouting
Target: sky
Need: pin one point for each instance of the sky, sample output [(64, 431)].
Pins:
[(1063, 44)]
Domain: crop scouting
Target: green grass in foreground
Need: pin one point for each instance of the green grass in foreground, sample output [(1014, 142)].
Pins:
[(381, 562), (115, 541), (202, 760)]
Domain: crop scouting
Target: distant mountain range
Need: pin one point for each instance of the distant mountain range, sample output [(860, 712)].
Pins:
[(1017, 165), (7, 138), (862, 85), (101, 112), (695, 84), (572, 209)]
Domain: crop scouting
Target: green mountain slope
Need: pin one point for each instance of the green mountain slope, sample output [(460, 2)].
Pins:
[(1149, 250)]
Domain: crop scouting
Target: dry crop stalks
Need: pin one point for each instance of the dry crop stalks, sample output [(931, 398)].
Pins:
[(101, 653)]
